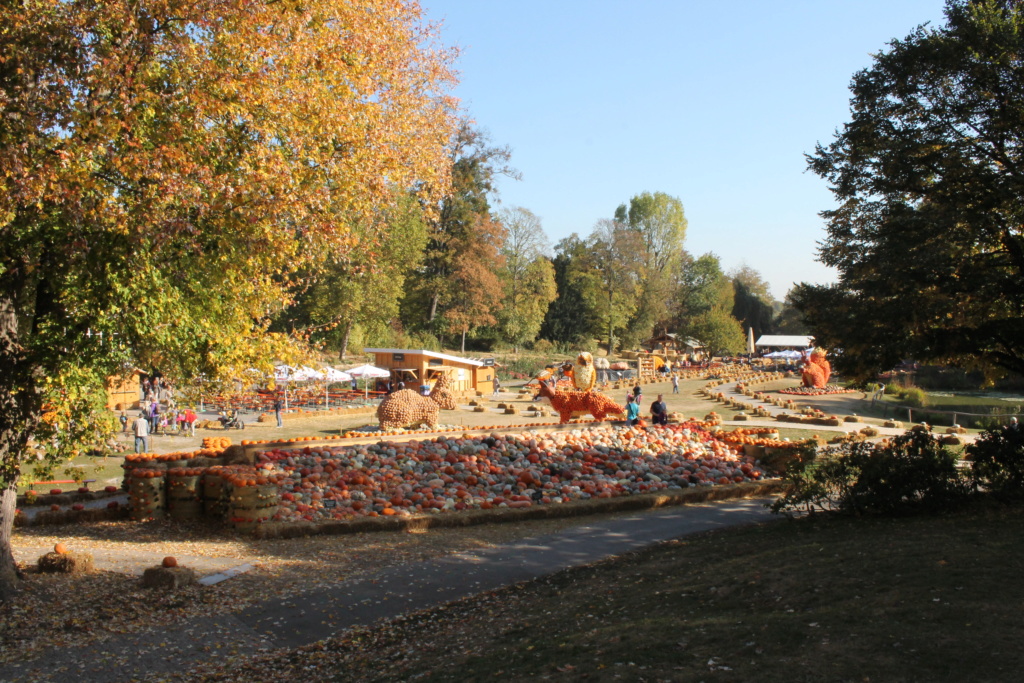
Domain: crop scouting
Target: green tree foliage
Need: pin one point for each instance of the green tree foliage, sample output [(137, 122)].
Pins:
[(789, 319), (528, 277), (660, 223), (571, 318), (752, 305), (613, 276), (700, 286), (360, 292), (926, 237), (717, 331), (168, 167)]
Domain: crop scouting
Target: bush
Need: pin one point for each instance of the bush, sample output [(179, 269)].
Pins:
[(997, 462), (892, 389), (913, 472), (914, 397)]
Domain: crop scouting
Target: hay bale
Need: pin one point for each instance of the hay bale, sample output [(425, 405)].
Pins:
[(66, 563), (168, 577), (479, 409)]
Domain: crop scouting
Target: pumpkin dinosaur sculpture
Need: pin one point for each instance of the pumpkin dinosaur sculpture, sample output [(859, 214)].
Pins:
[(817, 371), (406, 407), (574, 403)]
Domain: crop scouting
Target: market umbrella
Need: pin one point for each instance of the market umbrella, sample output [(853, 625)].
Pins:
[(368, 372), (331, 375)]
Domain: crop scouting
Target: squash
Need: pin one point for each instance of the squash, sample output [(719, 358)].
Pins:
[(170, 562)]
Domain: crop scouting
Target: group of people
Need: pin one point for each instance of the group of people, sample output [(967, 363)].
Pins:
[(153, 419), (659, 411)]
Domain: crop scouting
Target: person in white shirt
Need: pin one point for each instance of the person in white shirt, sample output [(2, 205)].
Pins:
[(141, 430)]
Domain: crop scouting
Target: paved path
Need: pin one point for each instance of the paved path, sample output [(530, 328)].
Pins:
[(312, 616), (729, 389)]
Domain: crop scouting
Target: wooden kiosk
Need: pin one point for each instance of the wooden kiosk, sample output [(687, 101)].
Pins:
[(415, 367)]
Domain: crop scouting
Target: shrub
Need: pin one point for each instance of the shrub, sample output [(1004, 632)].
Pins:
[(914, 397), (997, 462), (910, 473), (893, 389)]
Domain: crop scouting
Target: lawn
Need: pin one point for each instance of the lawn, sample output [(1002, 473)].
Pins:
[(816, 599)]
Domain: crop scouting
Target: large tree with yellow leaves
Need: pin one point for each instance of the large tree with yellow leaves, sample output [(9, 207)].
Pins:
[(166, 165)]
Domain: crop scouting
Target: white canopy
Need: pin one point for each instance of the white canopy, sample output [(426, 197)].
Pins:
[(789, 355), (368, 371), (337, 375)]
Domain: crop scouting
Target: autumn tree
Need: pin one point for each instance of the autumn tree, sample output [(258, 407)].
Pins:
[(475, 296), (528, 278), (926, 236), (476, 166), (168, 166)]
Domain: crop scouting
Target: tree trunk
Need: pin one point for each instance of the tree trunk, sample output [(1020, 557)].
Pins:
[(8, 569), (433, 308), (19, 413), (463, 340), (344, 340)]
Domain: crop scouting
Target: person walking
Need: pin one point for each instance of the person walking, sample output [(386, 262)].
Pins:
[(277, 410), (675, 384), (154, 416), (659, 411), (141, 430), (190, 420), (124, 422)]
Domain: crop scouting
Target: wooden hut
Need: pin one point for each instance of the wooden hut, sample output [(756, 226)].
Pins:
[(416, 366), (123, 390)]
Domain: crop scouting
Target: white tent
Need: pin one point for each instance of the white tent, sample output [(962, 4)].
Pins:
[(368, 372)]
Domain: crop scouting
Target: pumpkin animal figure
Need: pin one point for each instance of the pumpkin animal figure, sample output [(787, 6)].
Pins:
[(407, 407), (817, 371), (572, 403), (584, 375)]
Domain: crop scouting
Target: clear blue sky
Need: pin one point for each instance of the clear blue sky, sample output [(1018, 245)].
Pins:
[(715, 103)]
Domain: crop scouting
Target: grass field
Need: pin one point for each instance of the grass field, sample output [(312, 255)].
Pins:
[(816, 599)]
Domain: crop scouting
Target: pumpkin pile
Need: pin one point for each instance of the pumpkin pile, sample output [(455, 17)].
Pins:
[(449, 473), (216, 442), (817, 391)]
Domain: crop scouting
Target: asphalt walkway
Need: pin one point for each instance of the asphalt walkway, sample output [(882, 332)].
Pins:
[(308, 617)]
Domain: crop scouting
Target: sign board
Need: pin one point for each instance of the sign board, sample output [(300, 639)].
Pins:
[(398, 357), (489, 362), (462, 374), (435, 361), (328, 504)]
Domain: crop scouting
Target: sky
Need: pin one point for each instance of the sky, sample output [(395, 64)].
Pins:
[(715, 103)]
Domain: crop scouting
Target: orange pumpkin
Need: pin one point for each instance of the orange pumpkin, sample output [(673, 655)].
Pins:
[(60, 549), (170, 562)]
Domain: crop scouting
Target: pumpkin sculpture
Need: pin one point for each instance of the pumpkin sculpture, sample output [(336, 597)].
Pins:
[(817, 371), (569, 404), (407, 408), (584, 375)]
